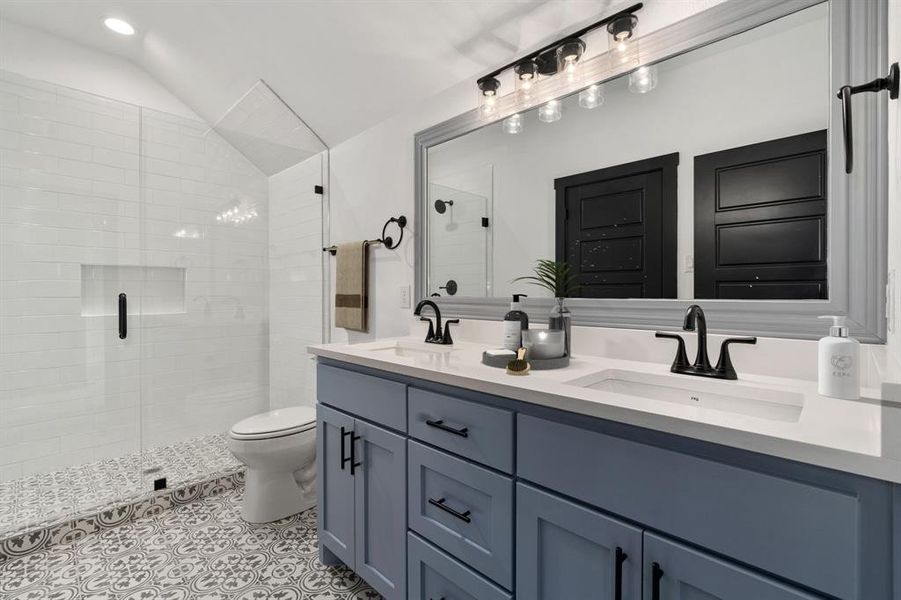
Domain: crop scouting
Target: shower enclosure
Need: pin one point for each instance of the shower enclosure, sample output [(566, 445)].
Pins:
[(157, 285)]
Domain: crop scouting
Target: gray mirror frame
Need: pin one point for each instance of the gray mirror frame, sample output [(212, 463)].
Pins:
[(857, 247)]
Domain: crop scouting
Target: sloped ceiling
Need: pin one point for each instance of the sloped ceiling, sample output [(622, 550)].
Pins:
[(342, 65)]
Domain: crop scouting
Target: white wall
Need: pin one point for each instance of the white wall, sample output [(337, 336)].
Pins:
[(85, 182), (736, 92), (295, 282)]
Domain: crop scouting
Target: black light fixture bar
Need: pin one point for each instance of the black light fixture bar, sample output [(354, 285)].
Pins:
[(575, 34)]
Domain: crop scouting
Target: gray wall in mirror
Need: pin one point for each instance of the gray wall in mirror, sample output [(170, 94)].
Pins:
[(739, 73)]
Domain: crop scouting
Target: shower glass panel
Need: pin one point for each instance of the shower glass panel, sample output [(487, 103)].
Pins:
[(204, 251), (69, 246)]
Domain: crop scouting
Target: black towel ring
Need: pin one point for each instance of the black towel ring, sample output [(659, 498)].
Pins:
[(388, 241)]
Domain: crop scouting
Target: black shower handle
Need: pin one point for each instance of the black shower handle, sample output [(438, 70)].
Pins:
[(123, 316)]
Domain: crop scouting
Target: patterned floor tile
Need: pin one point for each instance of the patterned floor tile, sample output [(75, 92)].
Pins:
[(47, 498), (199, 550)]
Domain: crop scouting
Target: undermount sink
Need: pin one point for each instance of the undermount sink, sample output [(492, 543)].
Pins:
[(724, 396), (407, 349)]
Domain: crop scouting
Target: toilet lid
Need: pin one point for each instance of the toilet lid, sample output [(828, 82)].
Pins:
[(282, 421)]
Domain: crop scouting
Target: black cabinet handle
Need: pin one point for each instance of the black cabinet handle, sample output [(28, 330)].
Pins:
[(618, 574), (463, 432), (344, 459), (463, 516), (353, 453), (656, 576), (123, 316)]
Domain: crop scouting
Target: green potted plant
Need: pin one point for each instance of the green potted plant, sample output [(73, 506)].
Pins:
[(558, 279)]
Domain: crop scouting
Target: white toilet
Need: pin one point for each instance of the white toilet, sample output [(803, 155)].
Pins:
[(279, 449)]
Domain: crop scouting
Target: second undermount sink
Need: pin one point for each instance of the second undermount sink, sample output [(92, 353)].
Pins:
[(725, 396), (407, 349)]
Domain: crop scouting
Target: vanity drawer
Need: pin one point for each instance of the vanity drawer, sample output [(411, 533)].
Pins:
[(433, 574), (465, 509), (478, 432), (803, 532), (378, 400)]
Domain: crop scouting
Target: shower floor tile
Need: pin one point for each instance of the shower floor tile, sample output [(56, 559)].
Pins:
[(45, 498), (198, 550)]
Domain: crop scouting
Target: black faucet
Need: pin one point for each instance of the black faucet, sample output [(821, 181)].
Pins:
[(695, 320), (436, 334)]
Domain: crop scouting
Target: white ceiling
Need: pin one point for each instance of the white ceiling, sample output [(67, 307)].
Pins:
[(342, 65)]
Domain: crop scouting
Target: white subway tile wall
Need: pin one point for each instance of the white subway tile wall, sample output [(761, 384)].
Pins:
[(295, 282), (90, 181)]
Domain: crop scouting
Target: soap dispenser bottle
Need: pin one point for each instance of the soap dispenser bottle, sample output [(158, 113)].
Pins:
[(839, 362), (514, 322)]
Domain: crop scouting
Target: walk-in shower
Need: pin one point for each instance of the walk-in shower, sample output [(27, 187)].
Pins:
[(212, 234)]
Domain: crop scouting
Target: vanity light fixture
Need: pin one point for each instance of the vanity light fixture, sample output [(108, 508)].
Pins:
[(513, 124), (562, 56), (550, 112), (643, 79), (568, 55), (119, 26), (622, 27), (591, 97), (488, 87), (526, 74)]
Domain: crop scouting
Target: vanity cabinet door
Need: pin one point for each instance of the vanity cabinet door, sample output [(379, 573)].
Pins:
[(565, 550), (675, 572), (336, 484), (380, 490)]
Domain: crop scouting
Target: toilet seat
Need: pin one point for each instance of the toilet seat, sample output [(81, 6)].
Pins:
[(275, 423)]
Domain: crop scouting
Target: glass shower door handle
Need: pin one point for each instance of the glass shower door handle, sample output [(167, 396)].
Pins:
[(123, 316)]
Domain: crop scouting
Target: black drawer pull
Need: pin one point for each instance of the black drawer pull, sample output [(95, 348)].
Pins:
[(123, 317), (353, 453), (656, 576), (618, 577), (463, 516), (464, 432)]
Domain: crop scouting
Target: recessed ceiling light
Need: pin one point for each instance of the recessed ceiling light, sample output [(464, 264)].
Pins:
[(119, 26)]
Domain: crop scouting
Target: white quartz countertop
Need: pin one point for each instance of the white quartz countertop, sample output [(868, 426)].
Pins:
[(853, 436)]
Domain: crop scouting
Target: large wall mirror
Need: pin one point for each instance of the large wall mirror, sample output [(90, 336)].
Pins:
[(710, 173)]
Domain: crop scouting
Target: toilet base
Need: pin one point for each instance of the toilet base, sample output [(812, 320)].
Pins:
[(273, 495)]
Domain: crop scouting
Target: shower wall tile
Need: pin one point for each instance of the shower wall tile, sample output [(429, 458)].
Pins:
[(72, 167)]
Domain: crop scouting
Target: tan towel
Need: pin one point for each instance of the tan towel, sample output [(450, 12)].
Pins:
[(352, 286)]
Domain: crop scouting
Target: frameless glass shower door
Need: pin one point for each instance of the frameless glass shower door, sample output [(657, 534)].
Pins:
[(69, 246)]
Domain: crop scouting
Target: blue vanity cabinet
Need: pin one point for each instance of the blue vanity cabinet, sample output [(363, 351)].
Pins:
[(568, 551), (380, 517), (363, 477), (336, 484), (675, 572), (463, 495)]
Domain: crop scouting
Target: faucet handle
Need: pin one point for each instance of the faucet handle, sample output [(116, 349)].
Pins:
[(431, 334), (680, 363), (724, 368), (447, 339)]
